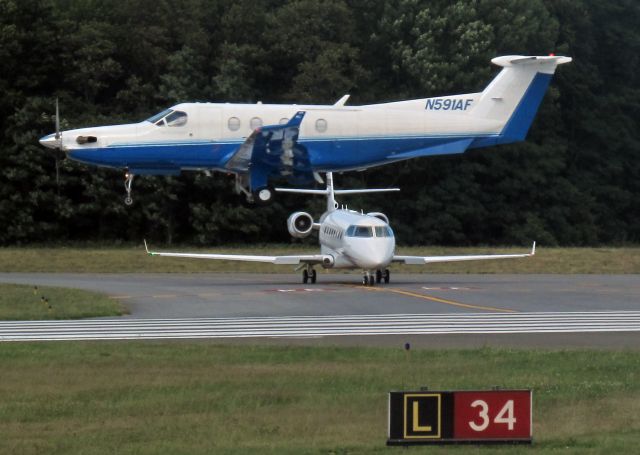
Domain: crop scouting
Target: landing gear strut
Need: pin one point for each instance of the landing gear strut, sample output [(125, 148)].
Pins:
[(262, 195), (128, 180), (309, 274)]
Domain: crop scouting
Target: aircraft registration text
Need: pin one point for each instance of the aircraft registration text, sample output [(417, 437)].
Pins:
[(448, 104)]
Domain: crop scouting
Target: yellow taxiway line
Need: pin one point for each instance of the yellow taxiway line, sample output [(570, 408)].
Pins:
[(439, 300)]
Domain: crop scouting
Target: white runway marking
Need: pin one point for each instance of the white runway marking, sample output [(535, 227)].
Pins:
[(320, 326)]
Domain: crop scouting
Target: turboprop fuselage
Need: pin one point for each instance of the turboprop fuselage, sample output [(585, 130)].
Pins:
[(258, 142)]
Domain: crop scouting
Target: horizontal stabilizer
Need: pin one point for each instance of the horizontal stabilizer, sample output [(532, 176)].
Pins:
[(514, 60)]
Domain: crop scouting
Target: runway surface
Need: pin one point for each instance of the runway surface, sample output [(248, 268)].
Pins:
[(604, 309)]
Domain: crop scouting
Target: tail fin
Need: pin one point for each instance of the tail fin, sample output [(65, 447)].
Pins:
[(515, 94), (330, 192)]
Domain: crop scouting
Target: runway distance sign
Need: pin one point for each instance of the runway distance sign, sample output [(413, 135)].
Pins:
[(470, 416)]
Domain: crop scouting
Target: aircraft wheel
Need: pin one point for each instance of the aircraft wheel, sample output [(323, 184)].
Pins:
[(387, 276), (128, 200), (378, 276), (263, 195), (314, 275), (372, 280), (365, 280), (305, 276)]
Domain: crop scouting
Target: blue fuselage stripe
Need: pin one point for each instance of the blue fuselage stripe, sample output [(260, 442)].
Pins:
[(325, 153)]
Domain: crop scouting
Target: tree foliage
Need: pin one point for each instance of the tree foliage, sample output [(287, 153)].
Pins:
[(575, 181)]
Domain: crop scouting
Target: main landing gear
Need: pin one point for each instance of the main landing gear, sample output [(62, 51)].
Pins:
[(128, 180), (261, 196), (370, 278), (309, 274)]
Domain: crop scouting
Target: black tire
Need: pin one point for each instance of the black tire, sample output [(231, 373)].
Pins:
[(305, 277), (314, 275), (365, 280), (378, 276), (372, 280), (387, 276)]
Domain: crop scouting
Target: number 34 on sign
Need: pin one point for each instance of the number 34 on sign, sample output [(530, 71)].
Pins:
[(438, 417)]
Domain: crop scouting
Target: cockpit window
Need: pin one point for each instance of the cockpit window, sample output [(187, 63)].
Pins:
[(159, 115), (383, 231), (368, 231), (169, 117), (176, 118), (360, 231)]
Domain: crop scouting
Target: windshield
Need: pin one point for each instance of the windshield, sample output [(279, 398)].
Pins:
[(383, 231), (159, 115), (169, 118), (368, 231), (360, 231)]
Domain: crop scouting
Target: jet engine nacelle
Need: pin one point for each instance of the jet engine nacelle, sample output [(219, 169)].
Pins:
[(380, 215), (300, 224)]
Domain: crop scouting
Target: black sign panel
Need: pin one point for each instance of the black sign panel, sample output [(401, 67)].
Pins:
[(420, 416)]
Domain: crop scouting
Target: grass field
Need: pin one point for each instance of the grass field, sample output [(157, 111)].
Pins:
[(134, 259), (202, 398), (20, 302)]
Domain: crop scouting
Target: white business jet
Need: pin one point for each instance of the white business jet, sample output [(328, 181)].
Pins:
[(348, 240)]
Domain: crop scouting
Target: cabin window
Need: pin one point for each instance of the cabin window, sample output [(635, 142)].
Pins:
[(176, 118), (321, 125), (256, 122), (283, 121), (234, 124)]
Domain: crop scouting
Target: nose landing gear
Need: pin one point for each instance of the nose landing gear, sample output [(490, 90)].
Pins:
[(370, 278), (128, 180)]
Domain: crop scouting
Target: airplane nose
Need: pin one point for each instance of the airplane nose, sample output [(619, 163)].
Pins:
[(51, 142)]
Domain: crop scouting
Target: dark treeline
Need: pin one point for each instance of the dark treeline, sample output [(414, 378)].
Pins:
[(575, 181)]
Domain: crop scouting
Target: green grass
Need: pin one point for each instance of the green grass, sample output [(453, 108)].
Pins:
[(201, 397), (134, 259), (21, 302)]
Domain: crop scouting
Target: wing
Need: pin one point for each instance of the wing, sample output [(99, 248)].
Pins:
[(278, 260), (421, 260)]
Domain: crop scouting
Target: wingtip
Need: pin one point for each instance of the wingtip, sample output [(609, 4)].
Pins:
[(145, 246), (533, 249)]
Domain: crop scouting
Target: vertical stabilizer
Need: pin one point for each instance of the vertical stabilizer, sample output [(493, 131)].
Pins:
[(515, 94)]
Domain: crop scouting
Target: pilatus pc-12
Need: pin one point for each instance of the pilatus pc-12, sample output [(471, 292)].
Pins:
[(264, 142), (348, 240)]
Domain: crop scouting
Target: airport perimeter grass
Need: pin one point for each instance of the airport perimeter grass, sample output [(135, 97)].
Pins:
[(21, 302), (203, 398), (133, 259)]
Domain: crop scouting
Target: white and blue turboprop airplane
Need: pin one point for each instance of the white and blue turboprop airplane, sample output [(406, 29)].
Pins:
[(348, 240), (260, 142)]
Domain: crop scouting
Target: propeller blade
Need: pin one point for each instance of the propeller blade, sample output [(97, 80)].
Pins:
[(57, 120)]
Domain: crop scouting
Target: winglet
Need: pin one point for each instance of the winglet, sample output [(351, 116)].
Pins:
[(145, 246), (533, 249)]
